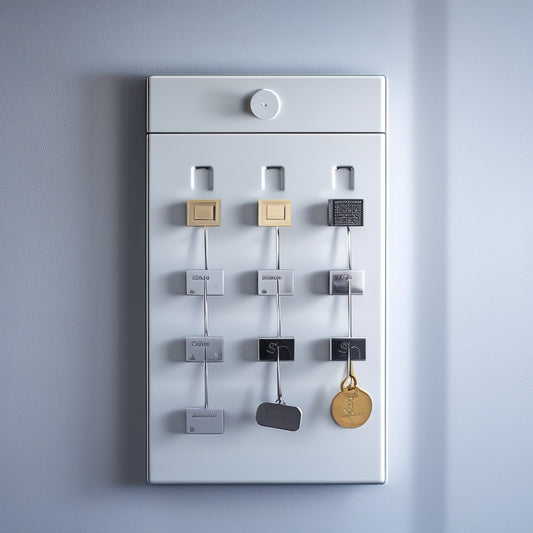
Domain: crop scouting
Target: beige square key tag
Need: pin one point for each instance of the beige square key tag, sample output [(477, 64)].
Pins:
[(203, 213), (274, 213)]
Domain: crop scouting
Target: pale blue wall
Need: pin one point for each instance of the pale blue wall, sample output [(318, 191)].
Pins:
[(71, 241)]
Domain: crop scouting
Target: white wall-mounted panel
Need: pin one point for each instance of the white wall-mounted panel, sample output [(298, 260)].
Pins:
[(321, 451)]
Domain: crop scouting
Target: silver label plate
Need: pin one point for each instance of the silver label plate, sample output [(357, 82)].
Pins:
[(204, 421), (338, 281), (196, 279), (279, 416), (199, 348), (267, 282)]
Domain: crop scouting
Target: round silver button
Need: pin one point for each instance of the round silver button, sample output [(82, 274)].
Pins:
[(265, 104)]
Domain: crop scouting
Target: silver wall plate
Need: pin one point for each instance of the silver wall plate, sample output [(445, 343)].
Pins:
[(196, 278), (279, 416), (199, 348), (338, 281), (204, 421), (267, 282)]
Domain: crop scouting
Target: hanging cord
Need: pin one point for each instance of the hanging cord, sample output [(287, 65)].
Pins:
[(206, 325), (349, 361), (278, 366), (350, 318), (278, 307), (349, 235), (205, 247), (277, 249)]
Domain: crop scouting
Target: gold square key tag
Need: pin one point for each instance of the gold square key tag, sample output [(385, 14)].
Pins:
[(274, 213), (203, 213)]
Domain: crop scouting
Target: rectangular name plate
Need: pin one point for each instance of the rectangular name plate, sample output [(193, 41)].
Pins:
[(199, 348), (267, 282), (196, 278), (267, 348), (204, 421), (338, 348), (338, 281)]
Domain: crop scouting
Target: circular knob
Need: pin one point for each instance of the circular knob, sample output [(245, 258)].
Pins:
[(265, 104)]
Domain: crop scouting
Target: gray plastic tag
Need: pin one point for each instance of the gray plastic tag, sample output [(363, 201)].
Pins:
[(204, 421), (279, 416)]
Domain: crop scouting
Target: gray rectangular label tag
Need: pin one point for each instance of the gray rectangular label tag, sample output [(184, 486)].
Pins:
[(197, 278), (339, 280), (199, 348), (267, 282), (204, 421)]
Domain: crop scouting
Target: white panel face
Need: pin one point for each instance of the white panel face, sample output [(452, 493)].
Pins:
[(306, 168), (306, 104)]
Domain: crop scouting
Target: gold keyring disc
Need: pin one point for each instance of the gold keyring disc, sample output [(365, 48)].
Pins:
[(351, 408)]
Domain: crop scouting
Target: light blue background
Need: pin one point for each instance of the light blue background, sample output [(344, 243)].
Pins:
[(461, 256)]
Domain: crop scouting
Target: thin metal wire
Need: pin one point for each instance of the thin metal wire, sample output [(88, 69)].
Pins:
[(206, 310), (206, 334), (349, 360), (278, 375), (278, 366), (206, 387), (278, 306), (349, 234), (206, 324), (205, 247), (350, 318), (277, 248)]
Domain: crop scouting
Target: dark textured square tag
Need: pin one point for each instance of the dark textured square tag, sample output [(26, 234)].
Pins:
[(345, 212)]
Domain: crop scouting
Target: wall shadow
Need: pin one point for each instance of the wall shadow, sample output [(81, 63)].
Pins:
[(430, 260), (131, 387)]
